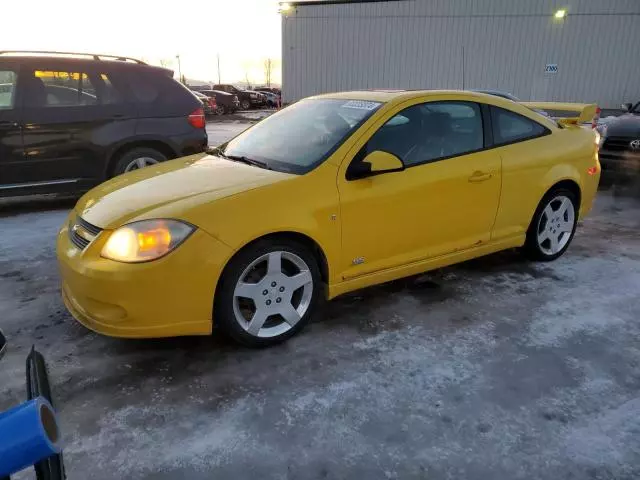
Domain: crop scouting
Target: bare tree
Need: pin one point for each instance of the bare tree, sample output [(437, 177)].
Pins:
[(268, 69)]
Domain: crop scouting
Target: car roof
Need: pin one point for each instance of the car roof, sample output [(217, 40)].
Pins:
[(80, 61), (385, 96), (400, 96)]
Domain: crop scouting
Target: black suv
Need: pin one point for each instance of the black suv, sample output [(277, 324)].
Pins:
[(248, 98), (68, 123), (620, 150)]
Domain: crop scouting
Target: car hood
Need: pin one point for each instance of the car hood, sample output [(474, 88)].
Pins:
[(625, 126), (170, 189)]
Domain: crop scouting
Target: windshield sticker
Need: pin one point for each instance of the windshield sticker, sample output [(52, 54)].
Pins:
[(361, 105)]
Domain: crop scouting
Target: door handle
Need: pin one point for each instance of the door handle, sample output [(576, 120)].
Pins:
[(479, 176)]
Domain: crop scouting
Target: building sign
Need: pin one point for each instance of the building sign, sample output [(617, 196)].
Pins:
[(551, 68)]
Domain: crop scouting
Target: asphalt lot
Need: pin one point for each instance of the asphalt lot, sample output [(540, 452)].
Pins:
[(494, 369)]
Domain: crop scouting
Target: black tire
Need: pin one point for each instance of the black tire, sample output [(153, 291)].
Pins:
[(125, 160), (223, 309), (245, 104), (532, 247), (221, 110)]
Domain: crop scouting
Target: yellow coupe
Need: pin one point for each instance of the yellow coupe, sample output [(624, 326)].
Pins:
[(334, 193)]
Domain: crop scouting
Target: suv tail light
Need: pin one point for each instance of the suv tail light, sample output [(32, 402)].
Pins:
[(196, 118)]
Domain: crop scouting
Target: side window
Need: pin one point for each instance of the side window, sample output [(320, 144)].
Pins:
[(143, 87), (111, 93), (8, 80), (431, 131), (510, 127), (49, 88)]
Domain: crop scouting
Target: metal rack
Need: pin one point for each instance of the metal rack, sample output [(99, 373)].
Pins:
[(95, 56)]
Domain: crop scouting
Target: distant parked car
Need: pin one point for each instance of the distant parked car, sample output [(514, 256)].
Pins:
[(508, 96), (620, 146), (89, 118), (226, 102), (248, 98), (208, 103), (275, 90), (273, 100)]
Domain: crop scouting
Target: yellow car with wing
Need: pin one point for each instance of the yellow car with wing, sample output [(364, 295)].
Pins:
[(332, 194)]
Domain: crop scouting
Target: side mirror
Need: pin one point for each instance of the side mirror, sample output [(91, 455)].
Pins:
[(376, 163), (3, 343), (626, 107)]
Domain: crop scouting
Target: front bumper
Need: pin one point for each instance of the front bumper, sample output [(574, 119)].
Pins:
[(171, 296)]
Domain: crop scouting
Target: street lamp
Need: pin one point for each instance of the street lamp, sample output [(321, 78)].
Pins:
[(179, 68), (560, 14), (285, 7)]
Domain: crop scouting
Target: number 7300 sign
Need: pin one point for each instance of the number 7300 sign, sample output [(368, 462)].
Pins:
[(551, 68)]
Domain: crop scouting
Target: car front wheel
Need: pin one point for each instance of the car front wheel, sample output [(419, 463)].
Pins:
[(553, 225), (268, 293), (246, 104)]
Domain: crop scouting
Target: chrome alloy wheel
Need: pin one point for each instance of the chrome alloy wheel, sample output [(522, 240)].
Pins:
[(140, 163), (556, 225), (272, 294)]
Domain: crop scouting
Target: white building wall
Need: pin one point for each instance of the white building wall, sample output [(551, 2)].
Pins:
[(493, 44)]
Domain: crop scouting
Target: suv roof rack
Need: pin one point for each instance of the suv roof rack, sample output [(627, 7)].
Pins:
[(95, 56)]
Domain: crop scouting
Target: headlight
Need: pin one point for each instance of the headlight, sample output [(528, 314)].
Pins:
[(145, 240), (601, 134)]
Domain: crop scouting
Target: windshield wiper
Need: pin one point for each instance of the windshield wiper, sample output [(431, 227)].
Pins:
[(247, 160)]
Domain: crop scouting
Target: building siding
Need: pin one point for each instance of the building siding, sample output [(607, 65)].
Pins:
[(493, 44)]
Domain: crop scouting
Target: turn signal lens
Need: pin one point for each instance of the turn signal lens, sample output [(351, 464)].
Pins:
[(592, 170), (145, 240)]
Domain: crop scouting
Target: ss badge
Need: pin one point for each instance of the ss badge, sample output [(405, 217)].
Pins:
[(358, 260)]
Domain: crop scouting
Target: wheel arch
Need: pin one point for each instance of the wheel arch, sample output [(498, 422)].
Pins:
[(568, 183), (159, 145), (298, 237)]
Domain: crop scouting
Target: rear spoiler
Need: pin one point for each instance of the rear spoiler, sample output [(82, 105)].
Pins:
[(587, 111)]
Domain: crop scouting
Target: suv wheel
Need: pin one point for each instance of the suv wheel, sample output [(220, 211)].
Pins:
[(246, 104), (137, 158), (268, 293), (220, 110)]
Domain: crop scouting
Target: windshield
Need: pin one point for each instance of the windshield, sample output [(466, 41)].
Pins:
[(300, 137)]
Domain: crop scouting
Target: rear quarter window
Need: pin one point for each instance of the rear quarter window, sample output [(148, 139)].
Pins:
[(511, 127), (160, 92)]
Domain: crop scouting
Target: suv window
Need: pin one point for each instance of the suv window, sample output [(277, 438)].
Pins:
[(430, 131), (7, 89), (510, 127), (144, 87), (110, 93), (49, 88)]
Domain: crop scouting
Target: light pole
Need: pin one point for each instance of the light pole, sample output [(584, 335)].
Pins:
[(219, 69), (179, 68)]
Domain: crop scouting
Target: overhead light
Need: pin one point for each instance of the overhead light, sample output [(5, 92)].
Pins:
[(560, 14), (285, 7)]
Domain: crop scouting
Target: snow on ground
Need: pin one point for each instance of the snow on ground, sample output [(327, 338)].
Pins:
[(495, 368)]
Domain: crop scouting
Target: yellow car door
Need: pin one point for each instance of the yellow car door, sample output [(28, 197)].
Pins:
[(444, 201)]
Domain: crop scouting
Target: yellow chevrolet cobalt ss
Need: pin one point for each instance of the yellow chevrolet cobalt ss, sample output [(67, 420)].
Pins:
[(334, 193)]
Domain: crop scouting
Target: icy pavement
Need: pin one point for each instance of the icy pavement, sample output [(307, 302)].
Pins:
[(493, 369)]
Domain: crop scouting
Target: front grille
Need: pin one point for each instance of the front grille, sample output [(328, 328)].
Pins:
[(82, 233), (617, 144)]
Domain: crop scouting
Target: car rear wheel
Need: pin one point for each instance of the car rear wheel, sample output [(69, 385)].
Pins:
[(138, 158), (220, 110), (245, 104), (553, 225), (268, 293)]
